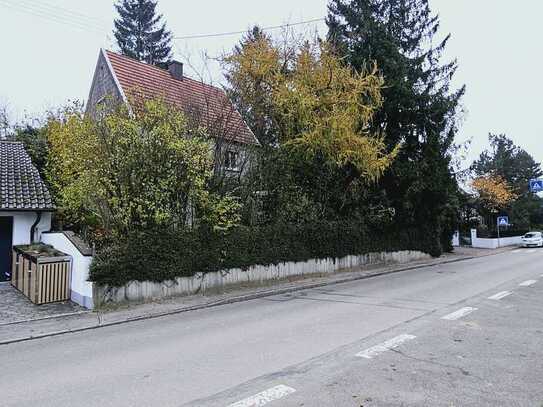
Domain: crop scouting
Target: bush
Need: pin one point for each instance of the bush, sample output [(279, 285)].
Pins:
[(159, 255)]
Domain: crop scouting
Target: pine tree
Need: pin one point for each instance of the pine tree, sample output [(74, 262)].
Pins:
[(420, 109), (139, 32)]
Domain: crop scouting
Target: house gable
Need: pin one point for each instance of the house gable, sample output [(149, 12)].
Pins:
[(125, 79), (105, 86)]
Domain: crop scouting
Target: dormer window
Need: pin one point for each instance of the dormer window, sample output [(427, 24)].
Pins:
[(231, 160)]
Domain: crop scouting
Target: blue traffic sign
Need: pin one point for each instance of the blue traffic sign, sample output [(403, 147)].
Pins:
[(503, 220), (536, 185)]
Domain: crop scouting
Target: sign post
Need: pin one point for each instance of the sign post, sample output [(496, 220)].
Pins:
[(501, 221)]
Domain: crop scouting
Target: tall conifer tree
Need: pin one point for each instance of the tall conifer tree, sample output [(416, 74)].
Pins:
[(420, 108), (140, 33)]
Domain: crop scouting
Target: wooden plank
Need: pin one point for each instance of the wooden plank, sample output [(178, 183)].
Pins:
[(25, 279), (39, 281), (54, 278), (45, 273), (32, 282)]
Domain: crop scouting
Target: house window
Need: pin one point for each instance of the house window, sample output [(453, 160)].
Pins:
[(231, 160)]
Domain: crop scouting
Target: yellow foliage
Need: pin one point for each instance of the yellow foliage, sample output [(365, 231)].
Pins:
[(494, 192), (124, 171), (318, 104)]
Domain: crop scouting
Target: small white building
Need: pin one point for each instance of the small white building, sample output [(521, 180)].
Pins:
[(25, 203)]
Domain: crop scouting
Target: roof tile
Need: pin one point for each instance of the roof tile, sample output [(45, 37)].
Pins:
[(210, 103), (21, 187)]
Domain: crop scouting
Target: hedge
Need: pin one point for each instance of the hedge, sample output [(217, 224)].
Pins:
[(493, 234), (159, 255)]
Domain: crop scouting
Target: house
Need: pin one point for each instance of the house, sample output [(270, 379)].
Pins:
[(25, 203), (123, 79)]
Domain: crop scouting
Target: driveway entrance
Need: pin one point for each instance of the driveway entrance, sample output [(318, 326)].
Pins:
[(15, 307), (6, 233)]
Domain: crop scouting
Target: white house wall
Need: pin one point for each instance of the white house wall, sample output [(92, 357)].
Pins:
[(22, 223)]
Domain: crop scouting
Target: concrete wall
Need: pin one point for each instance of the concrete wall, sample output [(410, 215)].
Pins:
[(145, 291), (81, 288), (456, 239), (22, 223), (484, 243)]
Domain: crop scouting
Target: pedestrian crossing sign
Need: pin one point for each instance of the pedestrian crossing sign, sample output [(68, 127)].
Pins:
[(536, 185)]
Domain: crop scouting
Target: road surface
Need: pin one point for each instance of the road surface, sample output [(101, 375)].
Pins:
[(461, 334)]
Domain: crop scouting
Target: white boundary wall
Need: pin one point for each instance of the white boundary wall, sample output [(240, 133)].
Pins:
[(81, 288), (456, 239), (147, 290), (484, 243)]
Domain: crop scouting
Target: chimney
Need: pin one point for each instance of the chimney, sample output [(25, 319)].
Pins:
[(176, 70)]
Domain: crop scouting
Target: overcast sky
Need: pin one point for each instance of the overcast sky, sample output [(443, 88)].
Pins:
[(49, 49)]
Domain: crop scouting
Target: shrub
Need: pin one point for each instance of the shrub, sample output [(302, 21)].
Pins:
[(159, 255)]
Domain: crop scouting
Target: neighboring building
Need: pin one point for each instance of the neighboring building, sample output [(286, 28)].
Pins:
[(25, 203), (119, 78)]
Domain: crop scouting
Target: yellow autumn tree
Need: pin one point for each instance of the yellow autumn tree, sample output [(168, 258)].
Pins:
[(126, 171), (318, 106), (493, 192)]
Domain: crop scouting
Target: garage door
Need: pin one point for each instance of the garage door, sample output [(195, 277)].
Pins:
[(6, 233)]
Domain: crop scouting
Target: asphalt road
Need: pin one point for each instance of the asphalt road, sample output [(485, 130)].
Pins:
[(377, 342)]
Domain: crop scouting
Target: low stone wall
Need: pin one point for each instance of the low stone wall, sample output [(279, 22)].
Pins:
[(136, 291)]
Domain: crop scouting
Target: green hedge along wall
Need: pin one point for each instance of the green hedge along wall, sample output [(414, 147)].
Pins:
[(164, 255)]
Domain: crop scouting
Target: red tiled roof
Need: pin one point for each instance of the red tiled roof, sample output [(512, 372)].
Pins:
[(209, 102)]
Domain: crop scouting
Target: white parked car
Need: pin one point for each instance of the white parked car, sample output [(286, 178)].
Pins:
[(532, 239)]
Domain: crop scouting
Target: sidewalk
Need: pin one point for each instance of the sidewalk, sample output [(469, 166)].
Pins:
[(11, 332)]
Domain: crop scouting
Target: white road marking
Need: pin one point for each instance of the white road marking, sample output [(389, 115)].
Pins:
[(459, 314), (267, 396), (527, 283), (500, 295), (383, 347)]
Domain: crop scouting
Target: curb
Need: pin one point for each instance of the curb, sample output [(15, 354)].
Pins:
[(240, 298), (24, 321)]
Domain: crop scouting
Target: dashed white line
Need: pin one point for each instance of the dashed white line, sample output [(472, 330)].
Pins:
[(500, 295), (267, 396), (459, 314), (527, 283), (385, 346)]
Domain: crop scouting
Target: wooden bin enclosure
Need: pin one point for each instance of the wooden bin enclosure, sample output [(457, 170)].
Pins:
[(41, 273)]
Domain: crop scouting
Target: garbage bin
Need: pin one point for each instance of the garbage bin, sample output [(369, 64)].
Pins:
[(41, 273)]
